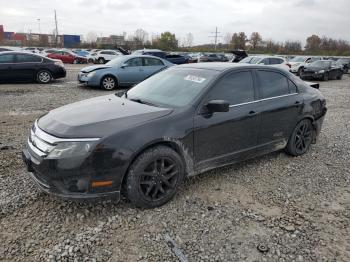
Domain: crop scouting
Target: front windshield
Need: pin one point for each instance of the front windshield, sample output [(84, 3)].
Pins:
[(298, 59), (320, 63), (115, 61), (175, 87)]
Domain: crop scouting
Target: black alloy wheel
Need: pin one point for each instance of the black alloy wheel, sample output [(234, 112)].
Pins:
[(301, 138), (154, 177), (159, 178)]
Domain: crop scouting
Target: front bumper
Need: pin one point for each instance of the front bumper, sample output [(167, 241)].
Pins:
[(59, 73), (71, 178), (311, 75), (89, 81)]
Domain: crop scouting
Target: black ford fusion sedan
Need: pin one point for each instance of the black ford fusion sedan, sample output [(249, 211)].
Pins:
[(23, 66), (322, 70), (178, 123)]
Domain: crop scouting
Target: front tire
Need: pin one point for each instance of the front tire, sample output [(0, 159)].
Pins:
[(44, 77), (108, 83), (301, 138), (101, 60), (154, 177)]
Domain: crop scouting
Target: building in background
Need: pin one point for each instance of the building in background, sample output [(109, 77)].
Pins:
[(39, 40), (112, 40)]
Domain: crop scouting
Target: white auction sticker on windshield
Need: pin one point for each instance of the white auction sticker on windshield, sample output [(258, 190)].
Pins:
[(196, 79)]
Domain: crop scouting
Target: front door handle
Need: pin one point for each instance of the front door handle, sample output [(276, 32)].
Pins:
[(252, 113)]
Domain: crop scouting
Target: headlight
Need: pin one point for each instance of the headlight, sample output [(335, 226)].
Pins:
[(71, 149), (91, 74), (321, 72)]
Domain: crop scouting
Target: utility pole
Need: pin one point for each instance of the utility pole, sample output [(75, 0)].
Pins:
[(39, 25), (56, 38), (216, 36)]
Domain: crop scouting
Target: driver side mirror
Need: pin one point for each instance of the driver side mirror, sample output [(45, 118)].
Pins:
[(218, 106), (124, 65)]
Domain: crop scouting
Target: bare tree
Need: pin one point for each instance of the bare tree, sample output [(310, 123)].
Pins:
[(189, 40), (255, 39), (91, 37), (141, 35), (228, 38)]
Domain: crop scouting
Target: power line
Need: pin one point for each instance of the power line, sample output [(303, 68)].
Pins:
[(216, 36)]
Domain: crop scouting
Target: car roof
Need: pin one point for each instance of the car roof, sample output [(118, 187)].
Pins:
[(149, 56), (18, 52), (223, 66)]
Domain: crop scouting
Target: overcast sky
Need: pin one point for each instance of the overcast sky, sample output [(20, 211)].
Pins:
[(274, 19)]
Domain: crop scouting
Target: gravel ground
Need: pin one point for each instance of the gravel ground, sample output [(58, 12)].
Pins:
[(293, 209)]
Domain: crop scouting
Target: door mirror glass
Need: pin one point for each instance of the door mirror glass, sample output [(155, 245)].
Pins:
[(218, 106)]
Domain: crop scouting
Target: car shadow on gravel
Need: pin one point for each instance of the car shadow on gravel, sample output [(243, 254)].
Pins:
[(190, 185)]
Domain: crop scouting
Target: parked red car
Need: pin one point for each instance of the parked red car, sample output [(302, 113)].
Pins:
[(67, 57)]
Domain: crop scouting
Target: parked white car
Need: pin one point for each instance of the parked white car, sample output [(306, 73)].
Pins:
[(298, 63), (35, 50), (103, 56), (266, 60)]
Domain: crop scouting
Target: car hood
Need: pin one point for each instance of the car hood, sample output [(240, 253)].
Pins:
[(98, 117), (89, 69)]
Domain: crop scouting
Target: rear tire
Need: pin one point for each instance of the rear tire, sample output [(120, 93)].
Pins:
[(44, 77), (154, 177), (301, 138), (108, 82)]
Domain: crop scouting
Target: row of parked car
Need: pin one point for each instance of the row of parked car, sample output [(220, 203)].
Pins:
[(121, 69)]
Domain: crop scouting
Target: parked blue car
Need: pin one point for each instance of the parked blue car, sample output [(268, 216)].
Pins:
[(81, 53), (126, 70)]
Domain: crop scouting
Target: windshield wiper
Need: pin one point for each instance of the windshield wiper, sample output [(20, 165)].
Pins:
[(138, 100)]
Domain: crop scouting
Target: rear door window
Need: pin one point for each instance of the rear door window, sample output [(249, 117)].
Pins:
[(152, 62), (275, 61), (272, 84), (134, 62), (236, 88), (23, 58)]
